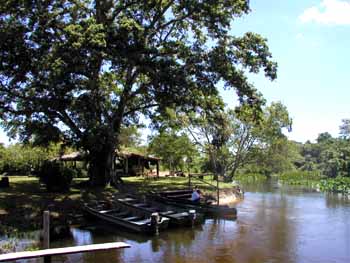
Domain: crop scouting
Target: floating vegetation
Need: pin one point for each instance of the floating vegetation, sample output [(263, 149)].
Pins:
[(316, 180), (338, 184), (250, 177), (301, 178)]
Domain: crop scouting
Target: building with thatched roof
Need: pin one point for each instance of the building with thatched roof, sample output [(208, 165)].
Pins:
[(126, 163)]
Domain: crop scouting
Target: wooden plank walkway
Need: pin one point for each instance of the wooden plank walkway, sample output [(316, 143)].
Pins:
[(62, 251)]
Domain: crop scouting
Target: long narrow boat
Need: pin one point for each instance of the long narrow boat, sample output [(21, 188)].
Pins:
[(126, 219), (177, 216), (205, 208)]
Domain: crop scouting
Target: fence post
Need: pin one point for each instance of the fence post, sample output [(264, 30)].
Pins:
[(189, 180), (46, 234)]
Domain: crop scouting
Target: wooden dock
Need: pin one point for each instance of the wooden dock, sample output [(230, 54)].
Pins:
[(62, 251)]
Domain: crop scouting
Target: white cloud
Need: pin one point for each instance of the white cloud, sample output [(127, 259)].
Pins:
[(329, 12)]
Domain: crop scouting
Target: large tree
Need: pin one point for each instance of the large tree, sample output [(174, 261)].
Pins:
[(245, 134), (79, 71)]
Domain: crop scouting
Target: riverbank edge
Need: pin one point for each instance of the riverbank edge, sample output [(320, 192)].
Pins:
[(22, 205)]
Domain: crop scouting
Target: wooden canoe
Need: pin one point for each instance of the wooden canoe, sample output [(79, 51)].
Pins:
[(206, 209), (177, 216), (125, 219)]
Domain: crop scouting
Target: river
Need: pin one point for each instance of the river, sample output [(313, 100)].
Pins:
[(275, 223)]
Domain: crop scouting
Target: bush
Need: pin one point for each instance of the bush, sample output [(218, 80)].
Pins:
[(55, 176)]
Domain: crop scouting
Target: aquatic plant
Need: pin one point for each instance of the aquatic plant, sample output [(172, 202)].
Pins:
[(250, 177), (339, 184), (300, 177)]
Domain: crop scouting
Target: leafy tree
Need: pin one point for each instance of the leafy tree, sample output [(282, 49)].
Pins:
[(233, 139), (280, 156), (77, 71), (329, 155), (173, 148), (22, 159), (260, 138), (130, 136)]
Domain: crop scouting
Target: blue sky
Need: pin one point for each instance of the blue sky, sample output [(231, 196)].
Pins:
[(310, 40)]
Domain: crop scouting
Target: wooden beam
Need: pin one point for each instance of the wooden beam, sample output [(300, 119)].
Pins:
[(126, 166), (62, 251)]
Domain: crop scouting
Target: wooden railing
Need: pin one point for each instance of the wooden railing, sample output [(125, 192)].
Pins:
[(48, 252)]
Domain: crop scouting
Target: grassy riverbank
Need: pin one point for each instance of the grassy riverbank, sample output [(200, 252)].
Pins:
[(22, 205)]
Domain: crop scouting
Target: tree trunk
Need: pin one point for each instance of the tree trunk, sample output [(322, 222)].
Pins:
[(101, 165)]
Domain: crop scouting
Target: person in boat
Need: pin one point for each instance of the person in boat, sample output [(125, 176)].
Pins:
[(196, 195)]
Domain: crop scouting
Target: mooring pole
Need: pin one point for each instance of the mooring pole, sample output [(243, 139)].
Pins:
[(155, 222), (46, 234), (217, 189), (192, 215)]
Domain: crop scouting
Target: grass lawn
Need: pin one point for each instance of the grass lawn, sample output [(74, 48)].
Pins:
[(22, 205), (165, 183)]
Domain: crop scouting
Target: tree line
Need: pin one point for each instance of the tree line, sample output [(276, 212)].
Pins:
[(260, 147), (86, 74)]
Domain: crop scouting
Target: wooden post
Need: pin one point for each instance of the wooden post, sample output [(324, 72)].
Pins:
[(157, 169), (192, 214), (189, 180), (142, 167), (126, 166), (217, 189), (138, 166), (154, 222), (46, 234)]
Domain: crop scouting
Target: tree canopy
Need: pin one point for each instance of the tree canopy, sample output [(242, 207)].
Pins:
[(79, 71)]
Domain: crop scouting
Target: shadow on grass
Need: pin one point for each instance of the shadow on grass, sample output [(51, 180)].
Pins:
[(22, 205)]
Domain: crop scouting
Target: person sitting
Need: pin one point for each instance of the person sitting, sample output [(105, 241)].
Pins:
[(195, 196)]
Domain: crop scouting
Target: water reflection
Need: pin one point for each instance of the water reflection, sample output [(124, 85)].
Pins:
[(276, 223)]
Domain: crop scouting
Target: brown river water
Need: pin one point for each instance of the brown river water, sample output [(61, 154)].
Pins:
[(275, 224)]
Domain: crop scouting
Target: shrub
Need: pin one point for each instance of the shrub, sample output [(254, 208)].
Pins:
[(55, 176)]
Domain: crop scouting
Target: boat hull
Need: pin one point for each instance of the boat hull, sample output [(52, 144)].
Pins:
[(142, 226), (177, 216)]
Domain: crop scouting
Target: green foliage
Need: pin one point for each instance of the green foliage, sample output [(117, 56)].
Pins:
[(250, 177), (129, 137), (250, 136), (55, 176), (305, 178), (280, 155), (317, 180), (79, 71), (25, 159), (338, 184), (177, 151), (329, 155), (300, 176)]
